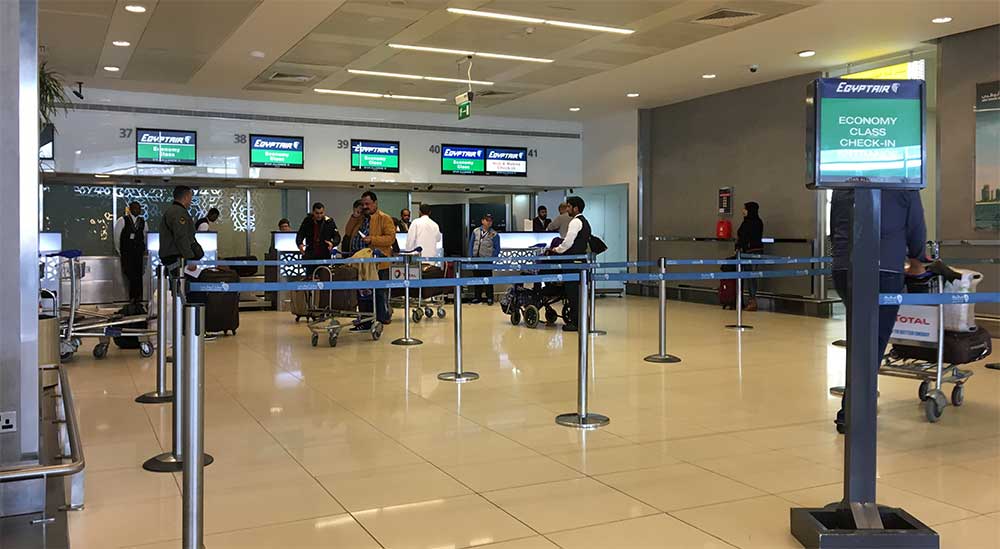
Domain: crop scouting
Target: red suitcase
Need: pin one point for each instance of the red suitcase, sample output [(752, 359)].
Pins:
[(727, 294)]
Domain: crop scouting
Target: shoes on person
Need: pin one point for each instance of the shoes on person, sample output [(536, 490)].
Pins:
[(569, 328), (386, 322), (840, 422), (489, 302), (476, 301)]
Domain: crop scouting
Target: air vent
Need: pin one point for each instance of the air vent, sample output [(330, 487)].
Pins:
[(291, 78), (727, 18)]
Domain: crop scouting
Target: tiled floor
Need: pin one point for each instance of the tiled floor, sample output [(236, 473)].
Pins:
[(360, 446)]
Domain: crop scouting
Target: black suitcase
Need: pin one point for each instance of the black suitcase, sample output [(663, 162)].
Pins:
[(243, 270), (222, 309), (131, 342), (337, 300), (959, 348)]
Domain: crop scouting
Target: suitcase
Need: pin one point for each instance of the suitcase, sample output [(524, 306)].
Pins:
[(243, 270), (337, 300), (727, 294), (131, 342), (959, 348), (300, 305), (222, 309)]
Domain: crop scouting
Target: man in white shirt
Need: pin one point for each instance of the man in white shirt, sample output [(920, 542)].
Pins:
[(577, 241), (425, 233), (130, 245)]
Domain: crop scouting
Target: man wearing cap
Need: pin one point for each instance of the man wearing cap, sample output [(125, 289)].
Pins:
[(484, 242)]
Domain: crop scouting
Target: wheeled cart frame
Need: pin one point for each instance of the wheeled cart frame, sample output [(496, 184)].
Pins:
[(326, 320)]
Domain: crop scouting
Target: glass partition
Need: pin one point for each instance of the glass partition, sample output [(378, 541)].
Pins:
[(82, 214)]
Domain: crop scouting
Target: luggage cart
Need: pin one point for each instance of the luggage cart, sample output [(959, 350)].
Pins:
[(530, 304), (327, 307), (923, 327), (429, 298), (79, 323)]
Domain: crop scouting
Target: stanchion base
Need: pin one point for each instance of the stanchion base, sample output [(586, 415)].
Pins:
[(739, 327), (589, 421), (840, 343), (154, 397), (833, 527), (597, 332), (838, 390), (407, 341), (663, 359), (167, 463), (458, 377)]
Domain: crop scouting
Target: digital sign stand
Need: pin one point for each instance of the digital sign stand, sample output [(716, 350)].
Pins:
[(858, 521)]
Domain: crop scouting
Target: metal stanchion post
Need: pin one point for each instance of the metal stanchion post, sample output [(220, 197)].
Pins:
[(739, 326), (406, 339), (193, 505), (582, 419), (593, 301), (161, 394), (662, 357), (458, 376), (172, 461)]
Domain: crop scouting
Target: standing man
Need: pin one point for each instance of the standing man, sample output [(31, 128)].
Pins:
[(351, 229), (204, 224), (577, 241), (901, 248), (317, 236), (177, 242), (378, 232), (403, 223), (130, 243), (561, 223), (424, 233), (541, 222), (484, 242)]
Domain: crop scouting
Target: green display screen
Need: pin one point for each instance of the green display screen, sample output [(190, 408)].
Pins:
[(463, 165), (869, 132), (374, 156), (166, 147), (276, 151)]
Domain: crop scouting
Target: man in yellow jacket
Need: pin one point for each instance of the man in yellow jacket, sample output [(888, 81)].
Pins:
[(377, 231)]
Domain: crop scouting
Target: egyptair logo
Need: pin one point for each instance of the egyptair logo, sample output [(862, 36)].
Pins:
[(225, 287), (895, 87)]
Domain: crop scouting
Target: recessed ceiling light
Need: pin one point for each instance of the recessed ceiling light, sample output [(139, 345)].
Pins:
[(632, 95), (378, 95), (807, 53), (121, 43), (135, 8), (347, 92), (708, 76), (278, 181), (78, 151), (418, 77), (466, 53), (414, 98), (941, 20), (257, 54), (574, 109), (459, 80), (536, 20), (101, 176), (112, 68)]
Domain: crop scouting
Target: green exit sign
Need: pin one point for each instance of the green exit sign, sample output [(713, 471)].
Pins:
[(465, 110)]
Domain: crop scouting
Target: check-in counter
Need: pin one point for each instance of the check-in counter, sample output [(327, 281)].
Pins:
[(284, 248)]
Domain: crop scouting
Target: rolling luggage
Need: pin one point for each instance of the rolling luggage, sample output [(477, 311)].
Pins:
[(727, 294), (300, 305), (222, 309), (337, 300), (959, 348)]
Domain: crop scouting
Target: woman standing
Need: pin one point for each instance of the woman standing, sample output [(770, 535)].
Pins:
[(749, 241)]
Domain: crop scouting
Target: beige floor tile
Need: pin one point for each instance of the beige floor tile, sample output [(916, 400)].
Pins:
[(652, 532), (454, 522), (362, 455), (567, 504), (127, 486), (773, 471), (929, 511), (554, 439), (376, 488), (680, 486), (975, 533), (954, 485), (122, 524), (465, 448), (713, 446), (759, 523), (535, 542), (324, 532), (260, 505), (483, 477), (598, 461)]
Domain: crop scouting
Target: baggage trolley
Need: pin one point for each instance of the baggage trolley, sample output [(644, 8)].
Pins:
[(327, 307)]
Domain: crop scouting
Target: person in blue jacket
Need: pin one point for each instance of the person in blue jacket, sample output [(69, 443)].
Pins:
[(484, 242), (901, 250)]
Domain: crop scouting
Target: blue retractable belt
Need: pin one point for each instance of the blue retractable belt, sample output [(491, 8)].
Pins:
[(375, 284), (938, 299)]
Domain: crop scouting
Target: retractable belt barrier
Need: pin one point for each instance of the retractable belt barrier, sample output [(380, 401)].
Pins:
[(375, 284), (974, 261), (938, 299), (634, 277)]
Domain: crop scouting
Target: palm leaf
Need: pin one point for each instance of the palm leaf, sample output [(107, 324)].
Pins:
[(51, 94)]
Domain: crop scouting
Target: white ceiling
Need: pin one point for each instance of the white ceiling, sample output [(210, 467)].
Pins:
[(203, 47)]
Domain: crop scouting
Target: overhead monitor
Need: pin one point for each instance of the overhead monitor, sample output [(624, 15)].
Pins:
[(166, 147), (463, 159), (507, 161), (276, 151), (374, 156), (866, 134), (285, 242)]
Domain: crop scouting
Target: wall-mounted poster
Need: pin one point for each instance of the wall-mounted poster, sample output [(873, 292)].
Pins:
[(987, 183)]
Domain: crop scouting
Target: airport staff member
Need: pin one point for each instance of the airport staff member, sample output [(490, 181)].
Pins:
[(177, 241), (901, 249), (204, 224), (284, 225), (561, 223), (130, 243), (577, 241), (541, 222), (317, 236), (484, 242), (403, 223), (424, 233), (378, 232)]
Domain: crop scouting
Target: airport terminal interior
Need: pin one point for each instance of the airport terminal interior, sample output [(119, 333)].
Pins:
[(510, 274)]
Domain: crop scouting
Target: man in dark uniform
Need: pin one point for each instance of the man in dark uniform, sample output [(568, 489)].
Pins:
[(177, 242), (317, 236), (130, 243), (577, 242)]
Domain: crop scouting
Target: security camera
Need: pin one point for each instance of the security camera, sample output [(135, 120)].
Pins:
[(78, 92), (166, 180), (482, 187), (467, 189), (430, 187), (371, 185), (754, 68), (361, 186), (416, 188)]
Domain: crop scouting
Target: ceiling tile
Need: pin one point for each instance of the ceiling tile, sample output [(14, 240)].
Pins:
[(86, 22), (347, 23), (612, 57), (314, 52), (446, 66), (555, 75), (487, 35), (674, 35)]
